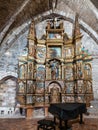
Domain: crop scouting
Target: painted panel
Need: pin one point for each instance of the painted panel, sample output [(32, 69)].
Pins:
[(69, 87), (68, 52), (30, 70), (22, 86), (41, 52), (29, 99), (55, 51), (40, 72), (55, 36), (39, 99), (69, 73), (80, 86), (30, 86), (23, 71), (69, 98), (40, 87)]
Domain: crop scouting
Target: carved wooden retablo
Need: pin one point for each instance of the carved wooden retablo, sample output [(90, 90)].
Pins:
[(56, 69)]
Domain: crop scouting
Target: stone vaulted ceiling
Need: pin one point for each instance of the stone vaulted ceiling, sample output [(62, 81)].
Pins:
[(14, 13)]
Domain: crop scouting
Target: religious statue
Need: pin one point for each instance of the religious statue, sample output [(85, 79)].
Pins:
[(55, 94), (54, 69)]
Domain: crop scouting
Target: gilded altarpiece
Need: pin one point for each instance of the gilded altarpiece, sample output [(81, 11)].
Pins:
[(56, 69)]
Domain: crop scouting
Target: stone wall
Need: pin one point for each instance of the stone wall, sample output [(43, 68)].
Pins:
[(95, 76), (7, 96)]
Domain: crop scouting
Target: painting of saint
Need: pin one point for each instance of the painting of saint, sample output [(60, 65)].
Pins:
[(79, 70), (41, 52), (88, 70), (41, 72), (68, 52), (89, 87), (80, 86), (54, 52), (40, 87), (21, 87), (54, 36), (29, 86), (69, 87), (29, 99), (32, 50), (68, 73)]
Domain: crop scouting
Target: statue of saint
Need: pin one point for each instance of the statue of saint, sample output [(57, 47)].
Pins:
[(54, 69), (55, 94)]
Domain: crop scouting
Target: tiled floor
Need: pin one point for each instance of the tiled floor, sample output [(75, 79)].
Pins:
[(31, 124)]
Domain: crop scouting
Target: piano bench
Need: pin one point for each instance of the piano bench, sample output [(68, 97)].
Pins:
[(46, 124)]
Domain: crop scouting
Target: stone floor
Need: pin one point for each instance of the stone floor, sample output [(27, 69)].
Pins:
[(90, 123)]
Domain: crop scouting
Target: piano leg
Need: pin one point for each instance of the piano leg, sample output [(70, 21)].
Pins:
[(60, 124), (81, 119), (66, 125), (61, 127), (54, 119)]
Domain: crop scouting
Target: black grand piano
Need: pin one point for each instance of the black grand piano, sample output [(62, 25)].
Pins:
[(67, 111)]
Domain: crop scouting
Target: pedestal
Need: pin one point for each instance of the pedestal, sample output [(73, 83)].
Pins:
[(29, 112), (46, 111)]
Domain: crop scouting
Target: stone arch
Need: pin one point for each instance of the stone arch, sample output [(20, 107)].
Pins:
[(7, 78), (54, 82), (9, 85), (55, 59), (88, 64)]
